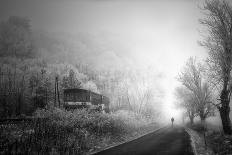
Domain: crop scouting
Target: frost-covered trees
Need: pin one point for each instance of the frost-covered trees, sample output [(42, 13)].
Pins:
[(193, 80), (186, 101), (218, 42), (71, 80), (133, 90), (34, 66)]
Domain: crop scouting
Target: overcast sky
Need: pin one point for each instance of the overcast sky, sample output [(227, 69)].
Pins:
[(160, 28), (160, 33)]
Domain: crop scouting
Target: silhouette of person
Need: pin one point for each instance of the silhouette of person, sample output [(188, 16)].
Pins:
[(172, 119)]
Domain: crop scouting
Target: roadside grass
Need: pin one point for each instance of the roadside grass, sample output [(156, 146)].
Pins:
[(66, 132), (220, 144)]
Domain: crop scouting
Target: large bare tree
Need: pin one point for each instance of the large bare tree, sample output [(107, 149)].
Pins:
[(218, 41)]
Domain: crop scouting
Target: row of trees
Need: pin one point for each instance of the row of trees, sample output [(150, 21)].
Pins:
[(137, 91), (200, 93), (196, 94)]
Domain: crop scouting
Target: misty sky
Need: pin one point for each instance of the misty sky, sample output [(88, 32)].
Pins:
[(157, 33)]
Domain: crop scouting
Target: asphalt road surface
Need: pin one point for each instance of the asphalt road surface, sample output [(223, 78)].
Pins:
[(166, 141)]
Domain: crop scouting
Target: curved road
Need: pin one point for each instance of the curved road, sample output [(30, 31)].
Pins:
[(165, 141)]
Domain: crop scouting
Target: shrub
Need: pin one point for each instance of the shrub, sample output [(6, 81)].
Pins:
[(70, 132)]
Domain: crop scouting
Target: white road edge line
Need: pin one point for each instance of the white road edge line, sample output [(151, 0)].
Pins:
[(128, 140)]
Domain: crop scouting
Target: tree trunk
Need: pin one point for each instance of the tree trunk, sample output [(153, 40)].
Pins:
[(191, 120), (202, 117), (202, 120), (225, 112), (225, 117)]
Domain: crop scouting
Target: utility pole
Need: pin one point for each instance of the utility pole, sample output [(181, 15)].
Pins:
[(58, 91), (57, 94)]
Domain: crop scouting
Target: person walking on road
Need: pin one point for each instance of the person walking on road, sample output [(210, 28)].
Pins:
[(172, 119)]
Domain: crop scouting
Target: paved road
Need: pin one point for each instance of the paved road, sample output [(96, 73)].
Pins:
[(166, 141)]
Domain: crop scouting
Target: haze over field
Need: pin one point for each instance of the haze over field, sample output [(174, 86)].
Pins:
[(116, 34)]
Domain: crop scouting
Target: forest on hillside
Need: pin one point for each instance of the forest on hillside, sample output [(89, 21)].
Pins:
[(30, 61)]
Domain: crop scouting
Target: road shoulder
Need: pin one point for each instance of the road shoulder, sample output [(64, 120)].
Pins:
[(128, 141), (197, 143)]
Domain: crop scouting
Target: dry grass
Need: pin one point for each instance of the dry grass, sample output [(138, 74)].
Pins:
[(65, 132), (220, 144)]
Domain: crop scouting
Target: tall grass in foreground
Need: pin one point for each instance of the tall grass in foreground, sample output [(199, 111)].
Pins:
[(66, 132)]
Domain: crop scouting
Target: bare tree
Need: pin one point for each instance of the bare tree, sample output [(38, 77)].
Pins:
[(186, 100), (218, 41), (192, 78)]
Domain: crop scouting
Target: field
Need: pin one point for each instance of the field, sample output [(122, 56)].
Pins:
[(78, 132)]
